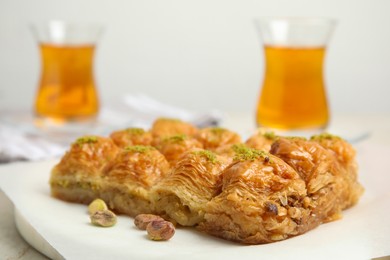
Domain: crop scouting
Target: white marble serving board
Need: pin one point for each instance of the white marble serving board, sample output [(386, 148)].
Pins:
[(60, 229)]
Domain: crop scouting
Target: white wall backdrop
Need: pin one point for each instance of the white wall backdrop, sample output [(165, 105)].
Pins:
[(200, 54)]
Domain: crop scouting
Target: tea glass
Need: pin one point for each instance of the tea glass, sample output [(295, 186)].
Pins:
[(67, 92), (293, 94)]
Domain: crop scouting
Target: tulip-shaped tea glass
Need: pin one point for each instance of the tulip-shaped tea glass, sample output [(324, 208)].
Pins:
[(67, 91), (293, 94)]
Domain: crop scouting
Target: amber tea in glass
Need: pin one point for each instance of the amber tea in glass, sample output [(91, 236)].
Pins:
[(293, 94), (67, 90)]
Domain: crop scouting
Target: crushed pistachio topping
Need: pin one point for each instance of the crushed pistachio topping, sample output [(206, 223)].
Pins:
[(270, 135), (237, 148), (86, 140), (324, 136), (210, 156), (175, 138), (218, 130), (296, 138), (244, 153), (166, 119), (139, 148), (135, 131)]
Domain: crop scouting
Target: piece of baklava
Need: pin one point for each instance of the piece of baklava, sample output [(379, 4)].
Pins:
[(182, 195), (262, 200), (345, 154), (230, 151), (331, 183), (261, 140), (214, 137), (129, 177), (173, 147), (131, 136), (78, 176), (164, 127)]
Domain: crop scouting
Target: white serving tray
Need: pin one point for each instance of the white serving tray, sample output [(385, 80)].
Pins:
[(62, 230)]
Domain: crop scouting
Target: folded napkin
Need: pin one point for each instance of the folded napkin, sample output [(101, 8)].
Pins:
[(19, 145), (21, 140)]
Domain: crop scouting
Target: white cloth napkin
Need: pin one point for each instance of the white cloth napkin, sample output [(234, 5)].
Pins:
[(21, 140), (19, 145)]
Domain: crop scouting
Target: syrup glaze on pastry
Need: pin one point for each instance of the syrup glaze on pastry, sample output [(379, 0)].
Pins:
[(173, 147), (214, 137), (164, 127), (331, 183), (194, 179), (77, 177), (261, 140), (131, 136), (130, 176), (261, 201)]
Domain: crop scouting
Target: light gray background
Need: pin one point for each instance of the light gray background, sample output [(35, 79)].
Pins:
[(200, 54)]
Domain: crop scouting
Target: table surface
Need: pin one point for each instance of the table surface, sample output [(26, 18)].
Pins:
[(13, 246)]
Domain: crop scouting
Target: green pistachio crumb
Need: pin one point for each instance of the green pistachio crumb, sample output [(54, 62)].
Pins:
[(209, 155), (324, 136), (296, 138), (218, 130), (139, 148), (86, 140), (270, 135), (135, 131), (175, 138), (167, 119), (244, 153)]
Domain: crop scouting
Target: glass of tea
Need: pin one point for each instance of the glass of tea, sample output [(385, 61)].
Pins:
[(67, 91), (293, 94)]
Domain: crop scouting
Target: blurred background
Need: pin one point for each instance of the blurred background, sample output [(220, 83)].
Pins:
[(200, 55)]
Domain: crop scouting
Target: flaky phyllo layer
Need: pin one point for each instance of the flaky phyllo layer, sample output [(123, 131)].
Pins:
[(265, 189)]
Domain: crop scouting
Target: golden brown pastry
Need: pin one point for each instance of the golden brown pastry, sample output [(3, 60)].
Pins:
[(226, 189), (262, 200), (331, 184), (214, 137), (345, 154), (182, 195), (344, 151), (230, 151), (164, 127), (129, 178), (131, 136), (261, 140), (77, 177), (173, 147)]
